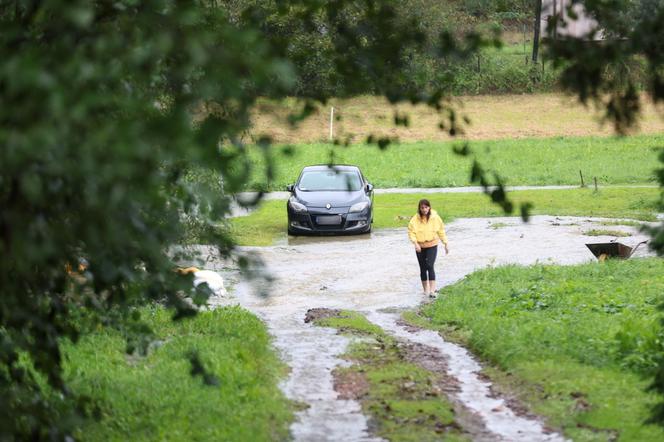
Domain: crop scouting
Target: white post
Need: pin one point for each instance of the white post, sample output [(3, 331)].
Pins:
[(331, 123)]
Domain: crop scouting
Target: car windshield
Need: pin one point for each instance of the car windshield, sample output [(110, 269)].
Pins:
[(330, 180)]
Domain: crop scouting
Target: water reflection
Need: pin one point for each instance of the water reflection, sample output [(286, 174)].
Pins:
[(306, 240)]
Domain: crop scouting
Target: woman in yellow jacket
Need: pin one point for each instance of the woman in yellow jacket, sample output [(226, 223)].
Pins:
[(425, 229)]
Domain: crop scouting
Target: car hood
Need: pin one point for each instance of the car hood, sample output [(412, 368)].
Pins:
[(334, 198)]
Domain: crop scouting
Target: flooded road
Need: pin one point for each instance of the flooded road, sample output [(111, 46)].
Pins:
[(372, 273)]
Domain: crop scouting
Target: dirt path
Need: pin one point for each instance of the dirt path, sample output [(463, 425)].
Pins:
[(377, 272)]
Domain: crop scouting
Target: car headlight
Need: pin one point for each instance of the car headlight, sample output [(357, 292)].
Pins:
[(297, 207), (358, 207)]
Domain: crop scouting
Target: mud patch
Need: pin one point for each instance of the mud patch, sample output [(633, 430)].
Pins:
[(581, 405), (350, 384), (318, 314), (498, 391), (433, 360), (446, 386), (505, 386), (408, 326)]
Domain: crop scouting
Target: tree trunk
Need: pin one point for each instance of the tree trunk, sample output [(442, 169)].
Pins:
[(538, 23)]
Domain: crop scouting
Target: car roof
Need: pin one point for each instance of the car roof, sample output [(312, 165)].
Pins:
[(330, 167)]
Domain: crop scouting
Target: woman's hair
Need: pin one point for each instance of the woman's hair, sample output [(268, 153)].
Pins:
[(423, 202)]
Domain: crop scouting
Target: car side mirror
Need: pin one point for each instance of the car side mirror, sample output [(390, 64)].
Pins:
[(290, 188), (369, 187)]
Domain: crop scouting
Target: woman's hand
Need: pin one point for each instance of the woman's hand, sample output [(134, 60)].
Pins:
[(447, 249), (418, 249)]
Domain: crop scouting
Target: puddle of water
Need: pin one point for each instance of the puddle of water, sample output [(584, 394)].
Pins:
[(474, 393), (302, 240), (326, 418)]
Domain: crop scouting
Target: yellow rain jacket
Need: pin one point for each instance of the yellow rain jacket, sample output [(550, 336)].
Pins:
[(427, 233)]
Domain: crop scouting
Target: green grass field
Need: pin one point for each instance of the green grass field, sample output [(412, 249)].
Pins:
[(541, 161), (268, 223), (577, 342), (156, 398)]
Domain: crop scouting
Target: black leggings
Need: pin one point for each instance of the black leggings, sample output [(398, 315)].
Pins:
[(426, 258)]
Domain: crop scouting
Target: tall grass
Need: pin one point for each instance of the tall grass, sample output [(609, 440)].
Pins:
[(579, 342), (541, 161), (156, 398)]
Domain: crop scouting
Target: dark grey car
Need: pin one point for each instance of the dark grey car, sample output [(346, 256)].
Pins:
[(330, 200)]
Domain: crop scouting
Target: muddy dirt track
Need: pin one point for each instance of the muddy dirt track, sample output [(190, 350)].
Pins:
[(377, 275)]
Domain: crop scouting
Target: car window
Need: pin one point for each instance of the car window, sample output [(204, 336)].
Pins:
[(330, 180)]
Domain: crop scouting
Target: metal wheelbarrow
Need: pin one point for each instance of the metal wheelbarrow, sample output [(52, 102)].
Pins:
[(605, 250)]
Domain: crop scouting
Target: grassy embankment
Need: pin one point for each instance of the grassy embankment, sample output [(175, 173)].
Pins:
[(394, 210), (545, 161), (577, 343), (156, 398), (402, 399)]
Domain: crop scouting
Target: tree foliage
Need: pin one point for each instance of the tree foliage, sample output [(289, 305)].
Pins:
[(312, 44), (96, 135), (107, 106)]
